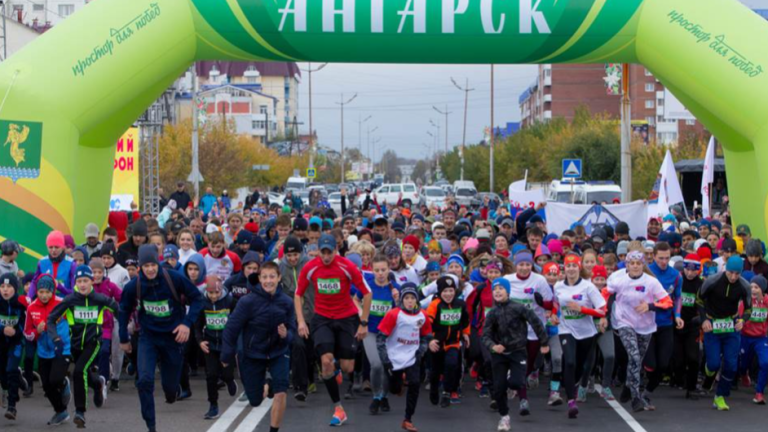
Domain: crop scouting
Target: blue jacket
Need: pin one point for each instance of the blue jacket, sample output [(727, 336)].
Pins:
[(45, 346), (65, 276), (207, 202), (672, 283), (257, 317), (160, 312)]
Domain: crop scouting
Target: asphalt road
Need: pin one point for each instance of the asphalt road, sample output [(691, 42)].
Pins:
[(674, 413)]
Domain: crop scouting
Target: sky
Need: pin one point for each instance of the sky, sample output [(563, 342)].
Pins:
[(400, 99)]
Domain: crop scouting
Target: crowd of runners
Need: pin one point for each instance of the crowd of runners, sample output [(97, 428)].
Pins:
[(388, 300)]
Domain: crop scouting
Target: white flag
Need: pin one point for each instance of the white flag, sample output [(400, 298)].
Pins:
[(708, 177), (666, 191), (520, 185)]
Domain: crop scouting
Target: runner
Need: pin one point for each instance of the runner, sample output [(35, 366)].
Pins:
[(160, 296), (687, 351), (506, 336), (57, 264), (336, 327), (605, 343), (754, 341), (84, 310), (12, 317), (552, 274)]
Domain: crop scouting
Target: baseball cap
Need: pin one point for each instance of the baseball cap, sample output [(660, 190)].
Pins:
[(327, 241), (91, 230), (8, 247), (83, 271), (508, 222), (398, 227), (743, 229), (292, 245)]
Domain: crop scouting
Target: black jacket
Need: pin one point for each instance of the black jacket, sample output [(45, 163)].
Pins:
[(212, 320), (182, 199), (12, 314), (85, 315), (507, 324), (718, 298)]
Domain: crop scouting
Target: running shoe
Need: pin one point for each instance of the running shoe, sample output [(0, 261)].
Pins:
[(243, 398), (59, 418), (79, 420), (554, 399), (484, 392), (455, 398), (375, 406), (300, 396), (533, 380), (759, 399), (99, 393), (591, 386), (582, 395), (114, 385), (648, 405), (232, 387), (719, 404), (104, 389), (184, 394), (312, 388), (638, 405), (339, 417), (11, 413), (493, 405), (573, 409), (525, 408), (445, 401), (504, 425), (607, 394), (349, 393), (367, 386), (626, 395), (66, 395), (746, 381), (408, 426), (385, 405), (213, 412)]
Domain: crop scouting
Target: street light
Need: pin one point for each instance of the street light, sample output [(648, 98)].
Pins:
[(445, 113), (310, 71), (466, 91), (342, 103)]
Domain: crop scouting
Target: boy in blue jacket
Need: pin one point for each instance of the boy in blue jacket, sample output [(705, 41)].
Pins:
[(267, 321)]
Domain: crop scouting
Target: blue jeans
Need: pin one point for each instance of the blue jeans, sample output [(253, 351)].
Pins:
[(10, 378), (254, 374), (154, 347), (755, 346), (726, 345), (104, 359)]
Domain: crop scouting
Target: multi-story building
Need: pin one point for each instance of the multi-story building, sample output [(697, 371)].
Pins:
[(42, 13)]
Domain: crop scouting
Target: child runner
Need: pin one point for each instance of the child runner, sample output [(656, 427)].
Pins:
[(605, 342), (687, 351), (505, 335), (103, 285), (12, 316), (57, 264), (551, 272), (754, 340), (402, 341), (84, 310)]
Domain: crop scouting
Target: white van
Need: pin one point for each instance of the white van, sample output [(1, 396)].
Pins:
[(583, 192), (297, 183)]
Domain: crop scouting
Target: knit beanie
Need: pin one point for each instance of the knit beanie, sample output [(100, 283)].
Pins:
[(46, 282), (55, 238), (502, 283), (148, 254), (735, 264), (411, 240), (760, 281), (10, 279)]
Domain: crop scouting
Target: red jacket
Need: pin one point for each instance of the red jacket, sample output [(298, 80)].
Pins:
[(38, 313)]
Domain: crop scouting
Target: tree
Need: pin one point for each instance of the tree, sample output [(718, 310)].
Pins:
[(421, 172), (389, 166)]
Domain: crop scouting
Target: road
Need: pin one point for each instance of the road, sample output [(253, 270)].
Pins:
[(673, 414)]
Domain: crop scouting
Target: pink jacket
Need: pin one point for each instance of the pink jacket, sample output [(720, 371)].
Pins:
[(109, 289)]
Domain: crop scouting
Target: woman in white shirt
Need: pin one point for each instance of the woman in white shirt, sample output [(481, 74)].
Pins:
[(579, 302)]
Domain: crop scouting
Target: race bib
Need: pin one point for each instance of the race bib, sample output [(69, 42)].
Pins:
[(571, 314), (450, 317), (689, 299), (159, 309), (759, 315), (328, 286), (216, 321), (86, 314), (525, 302), (720, 326), (9, 321), (380, 308)]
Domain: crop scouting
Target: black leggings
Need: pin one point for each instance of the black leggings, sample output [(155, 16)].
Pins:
[(686, 355), (659, 356), (479, 354), (412, 376), (52, 374), (509, 373), (575, 355), (215, 371), (448, 364)]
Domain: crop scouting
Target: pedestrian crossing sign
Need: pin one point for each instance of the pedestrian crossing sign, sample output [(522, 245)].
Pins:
[(311, 173), (572, 168)]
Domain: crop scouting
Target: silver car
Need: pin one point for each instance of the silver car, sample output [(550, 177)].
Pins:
[(432, 196)]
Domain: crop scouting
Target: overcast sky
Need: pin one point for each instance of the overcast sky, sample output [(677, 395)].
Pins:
[(400, 99)]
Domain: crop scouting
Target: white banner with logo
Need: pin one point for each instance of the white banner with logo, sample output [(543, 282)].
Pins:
[(525, 199), (561, 217)]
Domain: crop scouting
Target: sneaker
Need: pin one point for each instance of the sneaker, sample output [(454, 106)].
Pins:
[(626, 395), (385, 405), (300, 396), (79, 420), (581, 395), (213, 412), (59, 418), (648, 405), (312, 388), (445, 401), (100, 393), (638, 405), (434, 396), (408, 426), (607, 394), (533, 380), (493, 405), (525, 408), (759, 399), (349, 393), (66, 395), (554, 399), (375, 406), (11, 413), (591, 386), (504, 425), (114, 385), (232, 388), (485, 392), (339, 417), (573, 409), (455, 398), (367, 386), (243, 398), (746, 381), (184, 394), (719, 404)]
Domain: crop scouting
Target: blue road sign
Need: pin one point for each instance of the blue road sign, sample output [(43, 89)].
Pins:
[(311, 173), (572, 168)]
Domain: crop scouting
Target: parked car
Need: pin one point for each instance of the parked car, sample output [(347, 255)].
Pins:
[(334, 199), (390, 193), (466, 196), (432, 195)]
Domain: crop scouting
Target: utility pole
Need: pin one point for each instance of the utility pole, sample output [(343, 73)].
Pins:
[(466, 91), (310, 71), (626, 137), (370, 156), (436, 137), (445, 113), (360, 132), (493, 132), (195, 177), (342, 103)]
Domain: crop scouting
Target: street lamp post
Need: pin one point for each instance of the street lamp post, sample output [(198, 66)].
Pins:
[(310, 71), (445, 113), (371, 157), (342, 103), (466, 91)]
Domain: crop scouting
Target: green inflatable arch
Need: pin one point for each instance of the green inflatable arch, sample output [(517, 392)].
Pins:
[(69, 95)]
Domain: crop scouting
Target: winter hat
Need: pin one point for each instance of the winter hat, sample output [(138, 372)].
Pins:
[(748, 275), (433, 266), (244, 237), (292, 245), (622, 228), (408, 288), (250, 257), (10, 279), (445, 245), (46, 282), (434, 245), (171, 251), (483, 234), (55, 238), (728, 245), (692, 262), (351, 240), (411, 240), (760, 281), (172, 204), (735, 264), (523, 257), (542, 250), (754, 248), (391, 251), (502, 283), (622, 248), (252, 227), (518, 247), (699, 243), (704, 252), (572, 258), (148, 254), (83, 271), (445, 282), (96, 263), (555, 247), (258, 245), (356, 259), (455, 258), (599, 271), (139, 228), (69, 241), (550, 267), (471, 244)]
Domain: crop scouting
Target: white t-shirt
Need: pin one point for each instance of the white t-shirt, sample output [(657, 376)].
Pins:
[(629, 294), (407, 274), (404, 332), (523, 292), (720, 261), (575, 323), (420, 264)]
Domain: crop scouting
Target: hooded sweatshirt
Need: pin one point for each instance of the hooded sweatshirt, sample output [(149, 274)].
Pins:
[(37, 313), (5, 267), (237, 284), (200, 262), (119, 275), (289, 274), (213, 319)]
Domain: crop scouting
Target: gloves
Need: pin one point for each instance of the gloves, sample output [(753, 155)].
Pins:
[(58, 347)]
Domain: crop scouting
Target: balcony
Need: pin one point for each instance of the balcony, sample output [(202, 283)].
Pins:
[(547, 115), (548, 81), (547, 98), (660, 111)]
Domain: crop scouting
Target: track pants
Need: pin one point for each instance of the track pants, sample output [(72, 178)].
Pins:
[(636, 346), (412, 376), (755, 346), (117, 355), (303, 362), (215, 371), (85, 374), (379, 377), (448, 364), (686, 355), (154, 348), (52, 374), (10, 377), (722, 349), (508, 373), (659, 355), (104, 362)]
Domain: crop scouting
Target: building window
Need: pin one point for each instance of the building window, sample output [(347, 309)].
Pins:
[(650, 87), (547, 73), (259, 124), (66, 10), (648, 73), (262, 109), (651, 121), (649, 104), (690, 122), (660, 102), (38, 7)]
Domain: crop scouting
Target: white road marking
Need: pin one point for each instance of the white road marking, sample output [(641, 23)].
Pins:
[(254, 417), (229, 416), (624, 414)]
